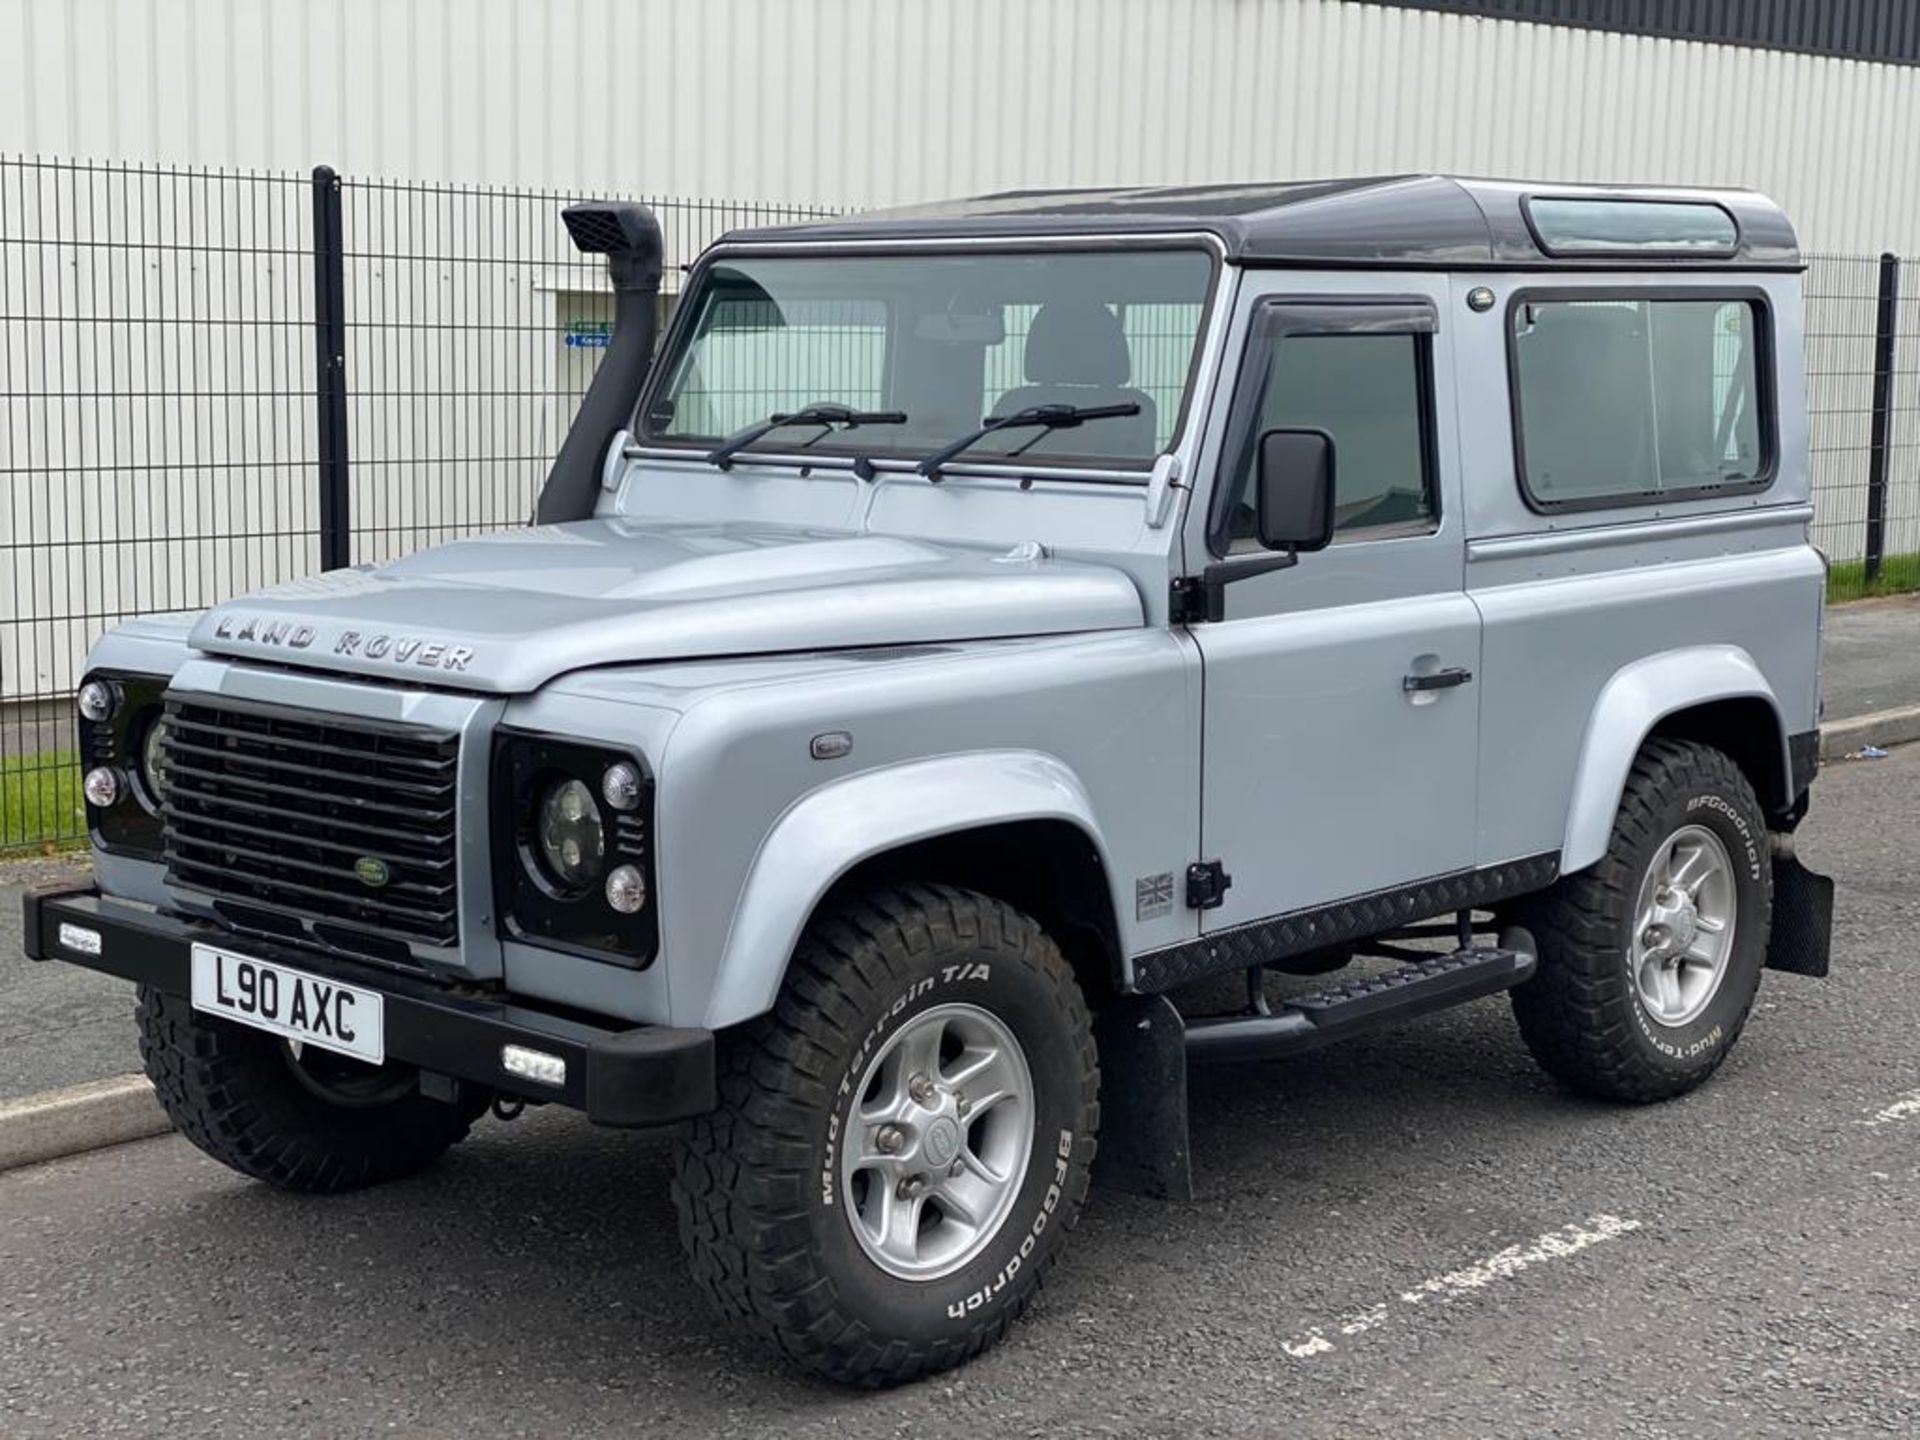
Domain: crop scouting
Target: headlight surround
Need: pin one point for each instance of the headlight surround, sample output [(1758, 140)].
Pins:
[(131, 710), (563, 834)]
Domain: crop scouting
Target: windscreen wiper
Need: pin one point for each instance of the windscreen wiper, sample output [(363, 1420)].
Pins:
[(825, 414), (1037, 417)]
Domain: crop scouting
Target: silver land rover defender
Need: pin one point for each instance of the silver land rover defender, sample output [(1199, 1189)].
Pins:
[(974, 625)]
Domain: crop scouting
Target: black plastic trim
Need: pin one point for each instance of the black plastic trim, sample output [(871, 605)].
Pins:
[(619, 1074), (1803, 755), (131, 825), (1278, 936), (1765, 365)]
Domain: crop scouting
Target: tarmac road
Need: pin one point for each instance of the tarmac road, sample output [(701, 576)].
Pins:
[(1416, 1235)]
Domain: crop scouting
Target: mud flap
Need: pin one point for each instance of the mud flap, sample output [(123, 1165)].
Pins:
[(1802, 939), (1143, 1099)]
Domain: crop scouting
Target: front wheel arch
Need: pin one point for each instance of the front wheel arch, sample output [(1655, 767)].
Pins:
[(938, 807)]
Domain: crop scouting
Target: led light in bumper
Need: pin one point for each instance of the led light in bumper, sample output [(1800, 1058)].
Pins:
[(102, 786), (627, 889), (534, 1065), (96, 701), (620, 786), (79, 939)]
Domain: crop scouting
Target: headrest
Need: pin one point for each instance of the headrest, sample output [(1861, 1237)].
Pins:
[(1077, 342)]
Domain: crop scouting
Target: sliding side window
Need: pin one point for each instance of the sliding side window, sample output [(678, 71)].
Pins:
[(1625, 400)]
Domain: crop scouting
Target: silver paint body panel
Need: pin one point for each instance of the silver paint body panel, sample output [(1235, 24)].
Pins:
[(1000, 653)]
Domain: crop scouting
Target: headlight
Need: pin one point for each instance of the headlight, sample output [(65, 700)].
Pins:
[(573, 843), (153, 761), (573, 850)]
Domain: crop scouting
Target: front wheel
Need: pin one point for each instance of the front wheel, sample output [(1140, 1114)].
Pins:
[(299, 1119), (901, 1145), (1649, 960)]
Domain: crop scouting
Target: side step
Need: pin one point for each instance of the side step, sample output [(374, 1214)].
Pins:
[(1146, 1047), (1376, 1002)]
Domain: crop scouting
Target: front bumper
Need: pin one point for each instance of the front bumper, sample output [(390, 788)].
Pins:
[(645, 1075)]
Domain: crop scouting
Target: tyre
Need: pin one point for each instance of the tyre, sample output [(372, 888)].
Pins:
[(901, 1145), (1649, 960), (305, 1121)]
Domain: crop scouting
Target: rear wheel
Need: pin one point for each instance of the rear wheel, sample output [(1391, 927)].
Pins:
[(901, 1145), (299, 1118), (1650, 960)]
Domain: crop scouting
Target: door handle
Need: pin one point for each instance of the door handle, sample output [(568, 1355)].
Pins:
[(1438, 680)]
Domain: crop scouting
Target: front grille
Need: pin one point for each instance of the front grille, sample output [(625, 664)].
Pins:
[(337, 821)]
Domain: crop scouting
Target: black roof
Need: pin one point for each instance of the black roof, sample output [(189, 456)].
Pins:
[(1433, 221)]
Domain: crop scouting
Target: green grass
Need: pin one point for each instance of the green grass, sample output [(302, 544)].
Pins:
[(1899, 575), (40, 806)]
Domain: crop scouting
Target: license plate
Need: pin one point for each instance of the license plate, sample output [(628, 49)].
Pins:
[(290, 1003)]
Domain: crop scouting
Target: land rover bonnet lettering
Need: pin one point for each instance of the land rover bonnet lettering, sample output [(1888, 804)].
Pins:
[(400, 649)]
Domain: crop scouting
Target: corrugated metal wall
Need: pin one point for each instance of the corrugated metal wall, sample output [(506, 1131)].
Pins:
[(1860, 29), (863, 102)]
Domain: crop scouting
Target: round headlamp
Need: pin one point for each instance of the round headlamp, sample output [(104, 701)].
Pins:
[(571, 840), (96, 701), (102, 786), (153, 761)]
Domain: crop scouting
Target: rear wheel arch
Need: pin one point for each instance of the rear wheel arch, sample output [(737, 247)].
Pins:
[(1748, 729), (1712, 695)]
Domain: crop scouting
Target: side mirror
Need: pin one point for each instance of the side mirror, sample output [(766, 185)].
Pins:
[(1293, 490)]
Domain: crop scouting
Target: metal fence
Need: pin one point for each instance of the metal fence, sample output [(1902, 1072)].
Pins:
[(213, 380), (1863, 381)]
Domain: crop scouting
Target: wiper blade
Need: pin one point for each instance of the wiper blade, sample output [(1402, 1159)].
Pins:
[(828, 415), (1037, 417)]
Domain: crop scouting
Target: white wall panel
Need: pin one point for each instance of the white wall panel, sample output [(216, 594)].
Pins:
[(864, 102)]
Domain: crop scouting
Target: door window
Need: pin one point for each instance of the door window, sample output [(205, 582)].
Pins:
[(1350, 371)]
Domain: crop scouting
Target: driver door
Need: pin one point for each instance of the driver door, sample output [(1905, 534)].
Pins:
[(1341, 719)]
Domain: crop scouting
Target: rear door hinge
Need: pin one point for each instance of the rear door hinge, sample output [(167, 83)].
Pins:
[(1207, 885)]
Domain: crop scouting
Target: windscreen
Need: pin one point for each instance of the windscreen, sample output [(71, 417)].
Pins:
[(947, 340)]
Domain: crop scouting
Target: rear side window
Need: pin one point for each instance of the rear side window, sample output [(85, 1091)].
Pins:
[(1622, 400)]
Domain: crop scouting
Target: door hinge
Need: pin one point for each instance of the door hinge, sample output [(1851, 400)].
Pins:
[(1207, 885), (1189, 602)]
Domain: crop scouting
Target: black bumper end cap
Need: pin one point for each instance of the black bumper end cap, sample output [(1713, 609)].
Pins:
[(654, 1075), (33, 934)]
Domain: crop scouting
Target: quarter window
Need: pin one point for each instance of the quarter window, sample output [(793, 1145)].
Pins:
[(1623, 401)]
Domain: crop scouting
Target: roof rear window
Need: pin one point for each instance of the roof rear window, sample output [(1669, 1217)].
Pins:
[(1631, 227)]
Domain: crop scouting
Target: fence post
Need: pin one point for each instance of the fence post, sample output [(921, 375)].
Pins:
[(330, 374), (1886, 325)]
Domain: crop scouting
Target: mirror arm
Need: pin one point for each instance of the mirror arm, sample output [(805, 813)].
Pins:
[(1204, 596)]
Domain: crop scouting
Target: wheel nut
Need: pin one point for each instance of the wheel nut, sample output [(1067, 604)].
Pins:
[(911, 1186), (920, 1088), (953, 1170), (888, 1139), (961, 1106)]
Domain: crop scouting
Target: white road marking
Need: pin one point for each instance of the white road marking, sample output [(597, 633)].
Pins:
[(1905, 1108), (1567, 1241), (1554, 1245)]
